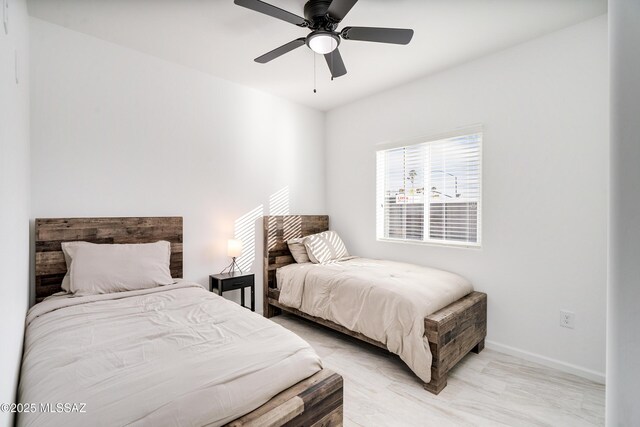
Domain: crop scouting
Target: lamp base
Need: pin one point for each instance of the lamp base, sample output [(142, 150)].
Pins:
[(231, 268)]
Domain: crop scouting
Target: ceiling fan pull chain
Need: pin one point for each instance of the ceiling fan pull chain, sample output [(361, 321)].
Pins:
[(332, 54), (314, 73)]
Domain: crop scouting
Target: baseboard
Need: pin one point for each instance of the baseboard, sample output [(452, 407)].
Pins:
[(598, 377)]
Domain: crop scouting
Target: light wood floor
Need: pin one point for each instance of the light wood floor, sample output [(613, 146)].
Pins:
[(489, 389)]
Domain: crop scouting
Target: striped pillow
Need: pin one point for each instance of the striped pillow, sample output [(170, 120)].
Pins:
[(325, 247)]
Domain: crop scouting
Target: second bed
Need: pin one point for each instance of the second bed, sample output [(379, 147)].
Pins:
[(430, 318)]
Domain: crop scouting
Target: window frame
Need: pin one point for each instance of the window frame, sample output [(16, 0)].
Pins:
[(434, 137)]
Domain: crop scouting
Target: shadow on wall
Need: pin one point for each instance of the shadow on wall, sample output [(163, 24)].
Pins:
[(291, 228), (245, 231), (245, 227), (279, 202)]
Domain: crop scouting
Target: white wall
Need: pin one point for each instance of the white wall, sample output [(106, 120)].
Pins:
[(119, 133), (623, 345), (544, 107), (14, 197)]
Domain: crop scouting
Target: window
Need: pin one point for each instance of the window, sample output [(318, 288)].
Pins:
[(431, 191)]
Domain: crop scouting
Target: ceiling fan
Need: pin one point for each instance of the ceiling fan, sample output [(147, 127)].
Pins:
[(322, 18)]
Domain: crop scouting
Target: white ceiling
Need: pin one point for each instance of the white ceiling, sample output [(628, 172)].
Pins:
[(220, 38)]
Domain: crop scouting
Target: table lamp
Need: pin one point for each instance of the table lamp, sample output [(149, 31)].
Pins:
[(234, 250)]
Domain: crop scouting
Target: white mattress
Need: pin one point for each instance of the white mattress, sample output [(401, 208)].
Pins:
[(383, 300), (173, 356)]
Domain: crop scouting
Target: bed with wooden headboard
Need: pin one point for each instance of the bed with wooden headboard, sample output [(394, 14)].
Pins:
[(452, 332), (315, 401), (50, 233)]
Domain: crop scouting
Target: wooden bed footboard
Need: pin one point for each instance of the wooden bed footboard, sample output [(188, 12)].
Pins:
[(314, 402), (452, 332)]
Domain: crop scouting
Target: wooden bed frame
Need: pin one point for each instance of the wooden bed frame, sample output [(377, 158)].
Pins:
[(452, 332), (315, 401)]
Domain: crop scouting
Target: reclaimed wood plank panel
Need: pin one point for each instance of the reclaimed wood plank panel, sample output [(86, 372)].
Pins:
[(50, 266), (453, 332), (282, 414), (315, 401), (333, 419)]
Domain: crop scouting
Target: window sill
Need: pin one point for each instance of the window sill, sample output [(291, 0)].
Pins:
[(455, 245)]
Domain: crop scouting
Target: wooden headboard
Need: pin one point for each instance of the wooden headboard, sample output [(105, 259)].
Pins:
[(277, 230), (51, 232)]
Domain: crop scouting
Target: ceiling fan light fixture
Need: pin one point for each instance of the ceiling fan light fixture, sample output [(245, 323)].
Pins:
[(323, 42), (323, 18)]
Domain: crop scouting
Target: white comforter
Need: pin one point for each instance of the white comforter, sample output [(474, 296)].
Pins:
[(383, 300), (170, 356)]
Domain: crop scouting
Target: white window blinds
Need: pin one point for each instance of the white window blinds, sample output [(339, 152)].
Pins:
[(431, 191)]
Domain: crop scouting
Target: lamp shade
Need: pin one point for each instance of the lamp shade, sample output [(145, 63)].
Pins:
[(234, 248)]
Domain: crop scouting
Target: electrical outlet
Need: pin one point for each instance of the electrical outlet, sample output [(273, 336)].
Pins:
[(567, 319)]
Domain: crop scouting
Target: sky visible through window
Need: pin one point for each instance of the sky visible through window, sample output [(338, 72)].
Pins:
[(452, 166)]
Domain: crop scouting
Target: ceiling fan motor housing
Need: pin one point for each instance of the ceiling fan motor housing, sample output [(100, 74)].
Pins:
[(315, 11)]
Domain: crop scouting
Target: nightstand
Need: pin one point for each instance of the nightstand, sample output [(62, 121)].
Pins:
[(230, 282)]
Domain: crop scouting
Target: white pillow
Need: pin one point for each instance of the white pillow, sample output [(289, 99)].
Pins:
[(298, 250), (325, 247), (102, 269), (69, 251)]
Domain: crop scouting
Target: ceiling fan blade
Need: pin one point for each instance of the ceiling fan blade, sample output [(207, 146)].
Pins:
[(285, 48), (379, 35), (276, 12), (335, 63), (338, 9)]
